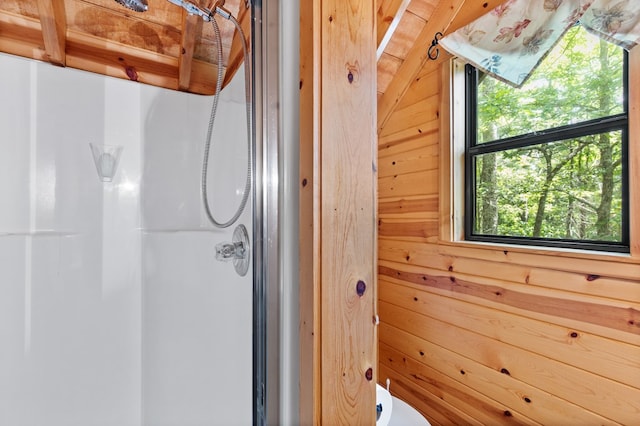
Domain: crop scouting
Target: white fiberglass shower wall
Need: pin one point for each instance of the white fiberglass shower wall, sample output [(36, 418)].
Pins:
[(113, 309)]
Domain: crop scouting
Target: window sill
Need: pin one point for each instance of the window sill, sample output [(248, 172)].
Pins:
[(592, 263)]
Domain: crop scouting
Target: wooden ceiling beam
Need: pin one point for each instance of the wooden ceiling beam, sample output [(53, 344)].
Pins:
[(445, 13), (188, 42), (54, 24), (21, 36)]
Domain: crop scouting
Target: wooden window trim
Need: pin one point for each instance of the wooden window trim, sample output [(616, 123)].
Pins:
[(451, 198)]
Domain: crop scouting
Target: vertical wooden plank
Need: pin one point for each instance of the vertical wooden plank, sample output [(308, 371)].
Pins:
[(347, 204), (309, 244), (54, 25), (337, 212)]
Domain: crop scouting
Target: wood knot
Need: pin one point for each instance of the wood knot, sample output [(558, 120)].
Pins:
[(592, 277), (369, 374), (505, 371), (131, 73), (353, 73), (361, 287)]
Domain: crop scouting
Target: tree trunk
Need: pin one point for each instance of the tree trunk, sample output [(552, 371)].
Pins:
[(489, 205), (607, 164)]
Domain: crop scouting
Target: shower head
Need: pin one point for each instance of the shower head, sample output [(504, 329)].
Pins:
[(136, 5)]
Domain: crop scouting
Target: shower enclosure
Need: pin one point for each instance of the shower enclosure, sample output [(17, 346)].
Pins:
[(113, 308)]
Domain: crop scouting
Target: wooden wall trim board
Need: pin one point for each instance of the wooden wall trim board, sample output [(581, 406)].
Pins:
[(309, 244), (634, 151), (338, 205)]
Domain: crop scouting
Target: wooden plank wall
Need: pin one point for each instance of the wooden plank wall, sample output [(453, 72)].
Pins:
[(475, 334)]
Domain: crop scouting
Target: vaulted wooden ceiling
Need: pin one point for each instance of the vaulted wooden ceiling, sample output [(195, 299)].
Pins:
[(163, 46)]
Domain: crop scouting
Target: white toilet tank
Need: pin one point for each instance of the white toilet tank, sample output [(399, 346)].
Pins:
[(393, 411)]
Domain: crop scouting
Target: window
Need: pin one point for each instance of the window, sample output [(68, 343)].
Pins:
[(546, 164)]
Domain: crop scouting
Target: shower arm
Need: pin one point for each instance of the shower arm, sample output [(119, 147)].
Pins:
[(204, 13)]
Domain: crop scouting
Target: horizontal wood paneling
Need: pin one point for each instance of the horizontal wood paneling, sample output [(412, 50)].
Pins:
[(408, 205), (417, 183), (611, 315), (424, 135), (444, 258), (430, 404), (423, 158), (427, 84), (413, 115), (415, 356), (422, 229), (479, 334), (522, 328), (600, 395)]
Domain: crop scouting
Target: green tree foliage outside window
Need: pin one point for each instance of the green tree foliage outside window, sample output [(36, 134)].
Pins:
[(546, 162)]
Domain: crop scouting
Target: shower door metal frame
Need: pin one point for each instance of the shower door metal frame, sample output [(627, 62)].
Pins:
[(266, 258)]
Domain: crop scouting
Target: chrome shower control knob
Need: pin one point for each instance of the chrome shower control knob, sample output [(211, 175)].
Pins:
[(236, 251), (230, 251)]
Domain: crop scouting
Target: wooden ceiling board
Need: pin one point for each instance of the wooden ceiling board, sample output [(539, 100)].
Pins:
[(161, 46), (114, 26), (27, 8), (386, 11), (388, 66), (405, 35), (423, 8), (161, 12)]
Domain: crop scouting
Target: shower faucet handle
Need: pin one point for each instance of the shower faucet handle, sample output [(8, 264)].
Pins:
[(230, 251), (237, 251)]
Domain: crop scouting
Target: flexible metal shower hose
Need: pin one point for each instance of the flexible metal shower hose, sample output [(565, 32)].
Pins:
[(214, 107)]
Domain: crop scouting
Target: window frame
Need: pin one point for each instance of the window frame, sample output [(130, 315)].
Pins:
[(617, 122)]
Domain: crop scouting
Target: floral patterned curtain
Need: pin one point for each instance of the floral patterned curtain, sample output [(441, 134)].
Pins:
[(511, 40)]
